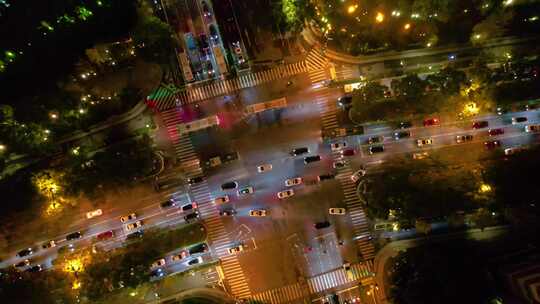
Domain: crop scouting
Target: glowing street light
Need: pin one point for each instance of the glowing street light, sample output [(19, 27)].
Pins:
[(407, 26), (352, 8), (2, 148), (380, 17), (485, 188)]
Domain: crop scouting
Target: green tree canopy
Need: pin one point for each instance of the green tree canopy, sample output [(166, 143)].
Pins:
[(155, 39)]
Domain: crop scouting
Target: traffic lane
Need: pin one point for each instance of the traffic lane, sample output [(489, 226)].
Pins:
[(172, 267)]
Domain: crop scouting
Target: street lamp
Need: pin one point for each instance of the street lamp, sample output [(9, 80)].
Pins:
[(352, 8), (380, 17)]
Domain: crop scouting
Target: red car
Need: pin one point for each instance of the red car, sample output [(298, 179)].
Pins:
[(431, 122), (348, 152), (492, 144), (494, 132), (480, 124), (105, 235)]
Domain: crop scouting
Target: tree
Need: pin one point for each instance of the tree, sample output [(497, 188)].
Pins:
[(155, 39), (411, 87), (439, 273), (372, 92), (433, 9), (493, 26)]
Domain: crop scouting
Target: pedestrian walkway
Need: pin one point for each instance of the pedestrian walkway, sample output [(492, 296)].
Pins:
[(219, 241), (169, 96), (294, 293), (329, 109), (316, 66)]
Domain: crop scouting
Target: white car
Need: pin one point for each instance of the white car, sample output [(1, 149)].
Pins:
[(236, 249), (245, 191), (127, 218), (221, 200), (264, 168), (336, 211), (338, 146), (356, 175), (134, 225), (293, 181), (158, 263), (424, 141), (513, 150), (257, 212), (285, 194), (94, 213)]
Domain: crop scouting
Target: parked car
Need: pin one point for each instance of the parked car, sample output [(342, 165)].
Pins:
[(73, 236), (245, 191), (158, 263), (402, 134), (285, 194), (293, 181), (310, 159), (221, 200), (199, 248), (517, 120), (299, 151), (94, 213), (495, 132), (257, 212), (135, 235), (158, 273), (264, 168), (134, 225), (324, 177), (228, 212), (376, 149), (180, 256), (431, 122), (194, 261), (336, 211), (229, 186), (22, 264), (480, 124), (129, 217), (35, 268), (463, 138), (321, 225), (492, 144)]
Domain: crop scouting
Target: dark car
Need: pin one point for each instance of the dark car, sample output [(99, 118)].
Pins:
[(195, 180), (229, 186), (199, 248), (105, 235), (480, 124), (516, 120), (188, 207), (374, 140), (299, 151), (402, 134), (22, 263), (167, 204), (463, 138), (494, 132), (431, 122), (191, 217), (321, 225), (345, 101), (157, 273), (323, 177), (405, 124), (25, 252), (310, 159), (135, 235), (230, 212), (348, 152), (73, 236), (376, 149), (195, 261), (492, 144), (35, 268)]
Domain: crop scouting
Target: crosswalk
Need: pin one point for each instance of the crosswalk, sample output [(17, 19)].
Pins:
[(328, 109), (316, 285), (166, 97), (201, 194), (317, 66)]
